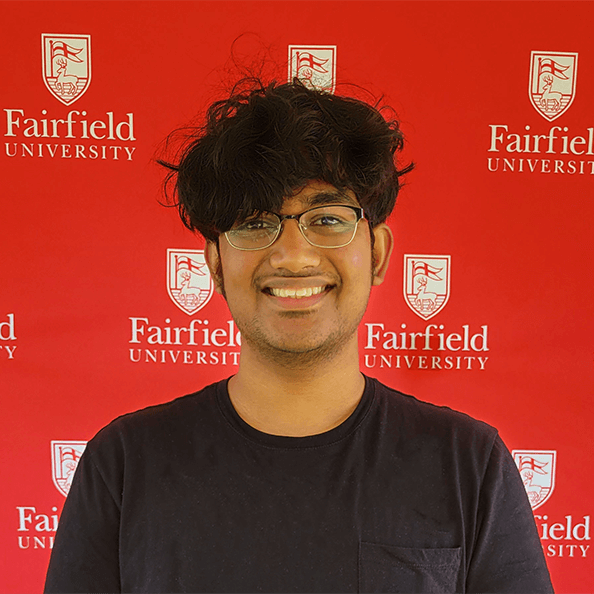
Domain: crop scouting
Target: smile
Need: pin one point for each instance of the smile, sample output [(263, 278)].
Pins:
[(297, 293)]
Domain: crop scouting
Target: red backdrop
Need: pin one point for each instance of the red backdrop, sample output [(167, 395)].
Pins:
[(491, 272)]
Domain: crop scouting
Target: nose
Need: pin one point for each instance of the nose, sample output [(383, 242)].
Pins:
[(292, 251)]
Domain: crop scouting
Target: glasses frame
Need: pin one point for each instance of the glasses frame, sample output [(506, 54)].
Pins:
[(297, 217)]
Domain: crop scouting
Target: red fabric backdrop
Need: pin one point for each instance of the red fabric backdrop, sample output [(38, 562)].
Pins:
[(491, 273)]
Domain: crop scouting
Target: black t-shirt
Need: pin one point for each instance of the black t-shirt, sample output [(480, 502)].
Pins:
[(404, 496)]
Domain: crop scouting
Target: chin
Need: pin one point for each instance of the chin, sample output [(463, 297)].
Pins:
[(304, 350)]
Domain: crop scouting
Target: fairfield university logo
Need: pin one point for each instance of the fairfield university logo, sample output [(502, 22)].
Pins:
[(66, 65), (188, 280), (549, 148), (65, 457), (426, 283), (314, 66), (552, 82), (537, 469)]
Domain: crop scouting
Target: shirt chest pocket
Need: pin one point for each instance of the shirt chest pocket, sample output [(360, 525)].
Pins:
[(385, 568)]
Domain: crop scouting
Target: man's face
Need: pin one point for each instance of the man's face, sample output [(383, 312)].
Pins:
[(262, 287)]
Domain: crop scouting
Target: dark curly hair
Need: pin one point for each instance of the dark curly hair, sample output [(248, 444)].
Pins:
[(264, 143)]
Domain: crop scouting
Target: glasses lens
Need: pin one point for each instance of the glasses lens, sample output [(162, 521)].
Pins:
[(255, 233), (330, 226)]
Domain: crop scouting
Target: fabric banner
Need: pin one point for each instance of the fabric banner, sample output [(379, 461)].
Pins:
[(106, 305)]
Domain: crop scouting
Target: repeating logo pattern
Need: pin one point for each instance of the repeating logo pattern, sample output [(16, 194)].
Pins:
[(552, 82), (188, 280), (66, 65), (426, 283), (537, 469), (314, 66), (65, 457)]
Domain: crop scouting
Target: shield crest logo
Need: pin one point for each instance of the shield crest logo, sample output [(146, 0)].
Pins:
[(426, 283), (65, 457), (314, 66), (66, 65), (537, 469), (552, 82), (188, 280)]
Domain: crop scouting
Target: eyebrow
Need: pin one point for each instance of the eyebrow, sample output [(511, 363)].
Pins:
[(331, 197)]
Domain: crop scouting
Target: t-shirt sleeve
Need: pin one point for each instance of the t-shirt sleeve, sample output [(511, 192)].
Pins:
[(507, 554), (85, 554)]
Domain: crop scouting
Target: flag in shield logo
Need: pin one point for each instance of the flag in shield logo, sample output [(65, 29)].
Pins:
[(314, 66), (552, 82), (537, 469), (188, 279), (66, 65), (65, 457), (426, 283)]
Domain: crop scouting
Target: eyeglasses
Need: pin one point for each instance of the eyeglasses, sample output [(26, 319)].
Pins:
[(331, 226)]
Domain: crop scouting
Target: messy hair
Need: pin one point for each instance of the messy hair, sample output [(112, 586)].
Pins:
[(264, 143)]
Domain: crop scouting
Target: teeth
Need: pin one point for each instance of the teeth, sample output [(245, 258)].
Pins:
[(297, 293)]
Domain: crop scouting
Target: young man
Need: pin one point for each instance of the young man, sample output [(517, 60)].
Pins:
[(298, 474)]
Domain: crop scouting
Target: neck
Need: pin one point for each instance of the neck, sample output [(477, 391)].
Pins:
[(303, 398)]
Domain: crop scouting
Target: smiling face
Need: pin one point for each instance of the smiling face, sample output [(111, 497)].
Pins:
[(295, 299)]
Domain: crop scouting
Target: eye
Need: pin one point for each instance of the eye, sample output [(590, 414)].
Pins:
[(327, 220), (256, 224)]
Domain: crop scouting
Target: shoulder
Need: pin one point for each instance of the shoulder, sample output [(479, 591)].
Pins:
[(414, 420), (148, 427), (421, 411)]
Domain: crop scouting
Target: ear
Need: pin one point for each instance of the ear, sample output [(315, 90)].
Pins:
[(213, 261), (382, 250)]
